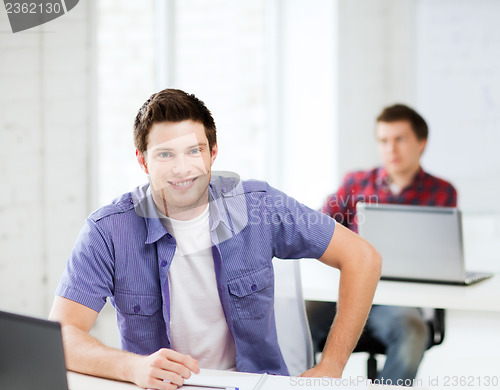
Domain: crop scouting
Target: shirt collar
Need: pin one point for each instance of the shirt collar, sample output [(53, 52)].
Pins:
[(419, 176), (145, 207), (383, 179), (216, 205)]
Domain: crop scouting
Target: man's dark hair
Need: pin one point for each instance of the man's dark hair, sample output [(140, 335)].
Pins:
[(172, 105), (400, 112)]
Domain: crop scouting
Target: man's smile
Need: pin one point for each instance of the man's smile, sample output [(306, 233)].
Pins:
[(183, 184)]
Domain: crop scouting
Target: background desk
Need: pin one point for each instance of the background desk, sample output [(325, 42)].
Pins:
[(320, 283), (472, 340)]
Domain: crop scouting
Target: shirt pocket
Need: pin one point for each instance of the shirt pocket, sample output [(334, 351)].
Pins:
[(252, 294), (139, 316)]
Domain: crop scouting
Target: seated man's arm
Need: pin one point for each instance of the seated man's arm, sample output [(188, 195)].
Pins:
[(86, 354), (359, 264)]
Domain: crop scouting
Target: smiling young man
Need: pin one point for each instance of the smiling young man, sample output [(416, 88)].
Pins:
[(186, 260), (401, 137)]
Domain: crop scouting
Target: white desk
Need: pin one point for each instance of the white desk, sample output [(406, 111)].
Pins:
[(320, 283), (85, 382)]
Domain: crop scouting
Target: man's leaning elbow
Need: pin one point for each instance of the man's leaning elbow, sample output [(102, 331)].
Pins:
[(373, 260)]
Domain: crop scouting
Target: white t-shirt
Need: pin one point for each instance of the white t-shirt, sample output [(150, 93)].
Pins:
[(197, 323), (395, 189)]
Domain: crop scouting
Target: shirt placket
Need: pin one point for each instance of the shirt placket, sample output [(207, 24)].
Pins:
[(218, 231), (165, 252)]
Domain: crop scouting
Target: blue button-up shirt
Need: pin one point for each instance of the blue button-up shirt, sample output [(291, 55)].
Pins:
[(124, 252)]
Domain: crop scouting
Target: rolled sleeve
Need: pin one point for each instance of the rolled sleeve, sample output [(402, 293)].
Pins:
[(88, 276), (298, 231)]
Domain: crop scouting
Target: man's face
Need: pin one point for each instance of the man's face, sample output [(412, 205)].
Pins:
[(178, 162), (399, 148)]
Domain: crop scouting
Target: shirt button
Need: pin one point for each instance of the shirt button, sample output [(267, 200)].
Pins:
[(223, 190), (253, 287), (137, 309), (163, 263)]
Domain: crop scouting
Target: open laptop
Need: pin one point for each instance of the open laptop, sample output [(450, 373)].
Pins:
[(417, 243), (31, 353)]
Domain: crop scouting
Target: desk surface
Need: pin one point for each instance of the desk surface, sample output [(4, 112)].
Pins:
[(85, 382), (320, 283)]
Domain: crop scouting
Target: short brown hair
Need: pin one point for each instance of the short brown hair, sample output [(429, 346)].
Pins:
[(172, 105), (400, 112)]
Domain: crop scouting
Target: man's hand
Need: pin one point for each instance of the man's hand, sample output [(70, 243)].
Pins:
[(321, 370), (163, 370)]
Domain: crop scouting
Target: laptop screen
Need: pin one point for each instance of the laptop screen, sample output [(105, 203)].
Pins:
[(31, 353), (416, 242)]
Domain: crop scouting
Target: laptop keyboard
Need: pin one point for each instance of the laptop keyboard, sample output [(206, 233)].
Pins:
[(474, 277)]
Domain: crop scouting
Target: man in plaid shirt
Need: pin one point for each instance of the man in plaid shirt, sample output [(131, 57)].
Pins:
[(402, 136)]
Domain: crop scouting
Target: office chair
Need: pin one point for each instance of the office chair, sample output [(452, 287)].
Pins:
[(294, 337), (435, 319)]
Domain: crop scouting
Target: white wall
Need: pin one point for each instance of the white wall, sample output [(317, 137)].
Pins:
[(307, 122), (126, 78), (46, 126), (376, 56), (458, 74)]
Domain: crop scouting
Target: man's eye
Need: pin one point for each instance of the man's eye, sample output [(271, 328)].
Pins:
[(164, 155), (195, 151)]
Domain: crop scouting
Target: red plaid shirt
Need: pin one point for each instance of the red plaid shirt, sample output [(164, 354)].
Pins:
[(374, 187)]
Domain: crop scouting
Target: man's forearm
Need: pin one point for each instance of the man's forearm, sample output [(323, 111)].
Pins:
[(88, 355), (356, 290)]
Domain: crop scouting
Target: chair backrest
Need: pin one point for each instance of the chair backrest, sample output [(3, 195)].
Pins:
[(294, 336)]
